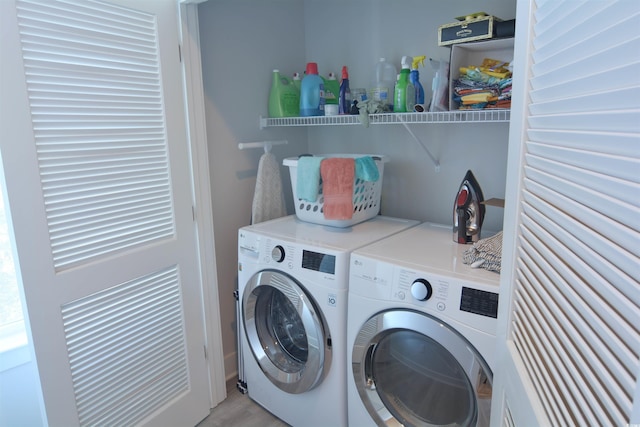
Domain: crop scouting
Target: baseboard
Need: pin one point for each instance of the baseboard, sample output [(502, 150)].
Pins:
[(231, 365)]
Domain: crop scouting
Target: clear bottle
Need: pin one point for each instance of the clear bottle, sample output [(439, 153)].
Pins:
[(383, 88), (312, 92)]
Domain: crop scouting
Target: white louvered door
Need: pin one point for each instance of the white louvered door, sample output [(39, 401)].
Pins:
[(570, 297), (96, 159)]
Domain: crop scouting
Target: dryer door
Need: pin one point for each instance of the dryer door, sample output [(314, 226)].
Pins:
[(286, 332), (412, 369)]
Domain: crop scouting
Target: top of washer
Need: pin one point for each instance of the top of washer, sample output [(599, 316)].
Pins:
[(322, 236), (428, 247)]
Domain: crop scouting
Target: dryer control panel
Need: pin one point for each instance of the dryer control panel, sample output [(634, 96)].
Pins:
[(479, 302), (475, 304)]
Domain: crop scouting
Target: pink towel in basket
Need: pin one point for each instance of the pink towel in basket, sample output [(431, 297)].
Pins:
[(337, 187)]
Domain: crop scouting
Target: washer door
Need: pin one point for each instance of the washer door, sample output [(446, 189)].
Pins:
[(411, 369), (286, 332)]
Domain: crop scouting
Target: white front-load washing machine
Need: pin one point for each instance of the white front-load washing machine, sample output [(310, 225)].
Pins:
[(292, 286), (421, 332)]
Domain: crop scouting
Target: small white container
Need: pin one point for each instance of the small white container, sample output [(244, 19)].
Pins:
[(330, 109), (366, 195)]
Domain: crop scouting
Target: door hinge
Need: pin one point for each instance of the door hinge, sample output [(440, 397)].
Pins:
[(236, 295), (205, 351), (193, 213), (179, 52)]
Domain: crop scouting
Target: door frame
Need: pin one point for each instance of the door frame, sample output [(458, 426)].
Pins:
[(203, 215)]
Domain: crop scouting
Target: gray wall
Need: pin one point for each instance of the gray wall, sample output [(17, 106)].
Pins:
[(243, 40), (370, 29)]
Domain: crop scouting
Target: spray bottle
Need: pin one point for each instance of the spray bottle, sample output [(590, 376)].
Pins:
[(404, 96), (344, 105), (414, 76), (439, 86)]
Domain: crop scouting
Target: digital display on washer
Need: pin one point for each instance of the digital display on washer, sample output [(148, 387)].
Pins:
[(479, 302), (319, 262)]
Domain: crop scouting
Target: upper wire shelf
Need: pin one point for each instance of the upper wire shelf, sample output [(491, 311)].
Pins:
[(459, 116)]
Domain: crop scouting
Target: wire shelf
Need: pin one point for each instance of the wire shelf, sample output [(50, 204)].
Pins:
[(460, 116)]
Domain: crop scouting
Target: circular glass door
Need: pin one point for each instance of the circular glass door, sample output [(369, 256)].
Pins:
[(285, 331), (417, 371)]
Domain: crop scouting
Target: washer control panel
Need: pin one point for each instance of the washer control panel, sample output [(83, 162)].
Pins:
[(301, 260)]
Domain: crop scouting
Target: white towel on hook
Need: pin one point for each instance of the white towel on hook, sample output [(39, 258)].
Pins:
[(268, 198)]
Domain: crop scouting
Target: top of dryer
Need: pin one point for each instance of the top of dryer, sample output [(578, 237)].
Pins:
[(321, 236), (428, 247)]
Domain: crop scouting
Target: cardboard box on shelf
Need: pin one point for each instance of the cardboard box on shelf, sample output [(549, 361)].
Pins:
[(479, 26), (472, 54)]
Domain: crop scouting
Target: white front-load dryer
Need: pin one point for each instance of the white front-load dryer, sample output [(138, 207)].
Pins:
[(421, 332), (292, 283)]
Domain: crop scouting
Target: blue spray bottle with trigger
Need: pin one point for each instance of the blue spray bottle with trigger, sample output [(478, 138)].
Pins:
[(414, 77)]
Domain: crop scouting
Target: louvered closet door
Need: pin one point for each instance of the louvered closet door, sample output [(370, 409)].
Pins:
[(96, 161), (571, 332)]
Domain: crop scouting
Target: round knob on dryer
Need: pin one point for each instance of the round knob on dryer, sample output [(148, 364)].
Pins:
[(277, 253), (421, 289)]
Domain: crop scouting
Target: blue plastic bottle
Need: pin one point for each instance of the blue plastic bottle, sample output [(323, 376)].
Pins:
[(344, 100), (414, 77), (312, 92)]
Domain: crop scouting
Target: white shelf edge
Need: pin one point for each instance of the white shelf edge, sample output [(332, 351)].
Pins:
[(460, 116)]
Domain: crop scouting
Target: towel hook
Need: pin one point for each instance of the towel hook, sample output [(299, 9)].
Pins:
[(267, 145)]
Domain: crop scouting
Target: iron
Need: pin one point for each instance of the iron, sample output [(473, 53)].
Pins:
[(468, 211)]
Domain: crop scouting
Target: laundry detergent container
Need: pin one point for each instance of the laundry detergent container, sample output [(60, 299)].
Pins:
[(366, 194)]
